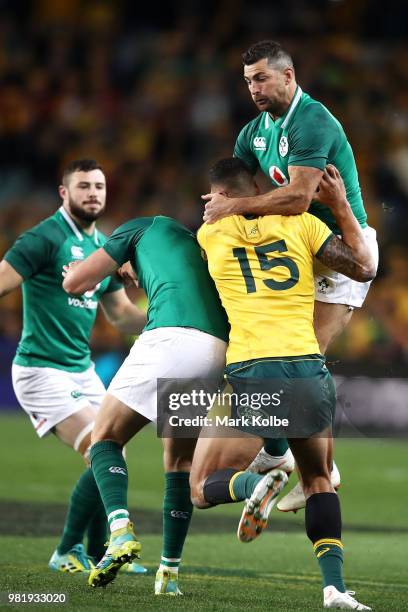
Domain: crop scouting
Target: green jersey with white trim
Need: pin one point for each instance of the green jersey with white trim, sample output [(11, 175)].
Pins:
[(56, 326), (168, 262), (306, 135)]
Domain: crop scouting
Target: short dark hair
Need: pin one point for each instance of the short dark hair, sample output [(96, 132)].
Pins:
[(79, 165), (270, 50), (230, 172)]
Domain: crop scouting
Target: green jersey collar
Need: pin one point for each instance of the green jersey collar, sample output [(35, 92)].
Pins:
[(78, 233), (283, 121)]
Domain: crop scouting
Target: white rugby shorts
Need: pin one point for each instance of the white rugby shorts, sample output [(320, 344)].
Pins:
[(49, 395), (165, 352), (335, 288)]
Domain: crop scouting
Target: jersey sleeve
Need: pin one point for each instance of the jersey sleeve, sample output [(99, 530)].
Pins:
[(243, 151), (312, 138), (114, 284), (30, 253), (123, 241), (318, 234)]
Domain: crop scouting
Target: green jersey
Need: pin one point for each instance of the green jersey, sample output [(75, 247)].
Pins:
[(306, 135), (56, 326), (168, 262)]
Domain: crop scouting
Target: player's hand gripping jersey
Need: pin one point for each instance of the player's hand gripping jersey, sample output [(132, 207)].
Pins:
[(306, 135)]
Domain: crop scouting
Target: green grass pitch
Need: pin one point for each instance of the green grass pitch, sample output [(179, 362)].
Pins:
[(277, 572)]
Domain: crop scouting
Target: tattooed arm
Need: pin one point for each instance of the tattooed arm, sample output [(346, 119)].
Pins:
[(350, 255), (340, 257)]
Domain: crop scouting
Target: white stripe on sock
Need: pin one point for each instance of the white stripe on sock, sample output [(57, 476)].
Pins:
[(115, 512)]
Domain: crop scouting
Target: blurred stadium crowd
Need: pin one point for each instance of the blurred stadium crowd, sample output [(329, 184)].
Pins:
[(156, 96)]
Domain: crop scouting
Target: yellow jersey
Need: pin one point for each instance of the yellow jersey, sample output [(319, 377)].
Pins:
[(263, 271)]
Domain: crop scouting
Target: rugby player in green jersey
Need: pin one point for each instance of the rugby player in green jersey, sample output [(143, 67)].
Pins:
[(290, 142), (185, 337), (53, 376)]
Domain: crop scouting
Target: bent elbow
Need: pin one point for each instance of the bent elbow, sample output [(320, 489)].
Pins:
[(303, 205), (370, 270), (299, 204), (371, 274), (71, 287), (366, 274)]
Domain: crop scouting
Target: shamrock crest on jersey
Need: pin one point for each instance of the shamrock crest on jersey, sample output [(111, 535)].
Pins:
[(283, 146)]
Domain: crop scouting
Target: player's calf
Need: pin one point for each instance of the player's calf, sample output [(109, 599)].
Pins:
[(213, 489), (218, 487), (212, 455), (323, 527), (177, 512), (295, 499), (84, 502), (230, 485)]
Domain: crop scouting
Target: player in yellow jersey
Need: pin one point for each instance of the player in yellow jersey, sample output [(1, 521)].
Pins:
[(263, 270)]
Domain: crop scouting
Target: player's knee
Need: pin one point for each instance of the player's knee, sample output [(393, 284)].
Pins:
[(323, 517), (197, 497), (104, 431), (197, 493)]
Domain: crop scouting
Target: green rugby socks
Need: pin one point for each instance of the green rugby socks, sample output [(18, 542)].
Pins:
[(85, 496), (323, 527), (177, 512), (110, 471), (229, 485), (242, 485), (98, 533), (276, 447)]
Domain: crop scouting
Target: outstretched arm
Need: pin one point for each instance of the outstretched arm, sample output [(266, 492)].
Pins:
[(350, 255), (292, 199), (84, 275), (9, 278)]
